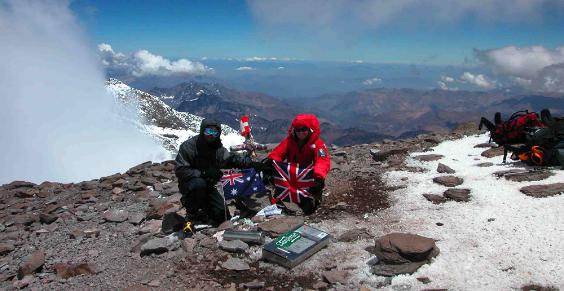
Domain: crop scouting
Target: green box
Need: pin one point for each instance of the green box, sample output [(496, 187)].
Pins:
[(295, 246)]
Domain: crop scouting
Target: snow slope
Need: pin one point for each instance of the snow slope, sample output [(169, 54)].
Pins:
[(161, 121), (501, 239)]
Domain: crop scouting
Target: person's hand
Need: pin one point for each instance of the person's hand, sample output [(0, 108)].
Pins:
[(318, 187), (212, 174)]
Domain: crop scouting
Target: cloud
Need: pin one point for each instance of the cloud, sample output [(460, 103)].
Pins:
[(260, 59), (281, 68), (143, 63), (245, 69), (346, 18), (478, 80), (58, 123), (444, 86), (372, 81), (534, 67), (447, 79)]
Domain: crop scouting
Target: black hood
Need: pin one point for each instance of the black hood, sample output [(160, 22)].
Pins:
[(207, 122)]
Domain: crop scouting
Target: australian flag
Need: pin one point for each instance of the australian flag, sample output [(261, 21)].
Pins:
[(292, 182), (238, 183)]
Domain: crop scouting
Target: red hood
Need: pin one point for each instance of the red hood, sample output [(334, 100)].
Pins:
[(307, 120)]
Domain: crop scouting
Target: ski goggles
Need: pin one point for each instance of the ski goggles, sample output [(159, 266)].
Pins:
[(210, 131), (302, 129)]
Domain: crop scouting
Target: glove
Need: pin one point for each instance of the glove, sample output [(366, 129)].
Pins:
[(318, 187), (212, 174), (257, 166)]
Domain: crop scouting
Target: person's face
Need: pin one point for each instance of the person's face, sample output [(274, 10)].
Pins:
[(211, 134), (302, 133)]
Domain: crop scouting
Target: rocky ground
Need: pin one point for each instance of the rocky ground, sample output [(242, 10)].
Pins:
[(105, 234)]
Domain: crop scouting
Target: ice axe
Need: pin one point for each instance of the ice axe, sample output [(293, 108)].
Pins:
[(250, 146)]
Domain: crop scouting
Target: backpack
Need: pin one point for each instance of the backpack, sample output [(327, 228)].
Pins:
[(512, 131), (544, 146)]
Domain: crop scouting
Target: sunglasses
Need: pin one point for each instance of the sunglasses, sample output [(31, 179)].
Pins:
[(210, 131), (302, 129)]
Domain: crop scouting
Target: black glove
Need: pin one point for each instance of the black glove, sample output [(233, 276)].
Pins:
[(318, 187), (212, 174), (256, 165)]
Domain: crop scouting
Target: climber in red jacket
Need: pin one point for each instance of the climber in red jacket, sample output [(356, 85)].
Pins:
[(304, 146)]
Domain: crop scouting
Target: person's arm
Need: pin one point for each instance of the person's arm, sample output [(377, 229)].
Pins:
[(279, 152), (184, 158), (229, 160), (322, 162)]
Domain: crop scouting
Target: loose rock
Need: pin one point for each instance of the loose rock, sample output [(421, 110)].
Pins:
[(541, 191), (235, 264), (458, 194), (233, 246), (442, 168), (434, 198), (116, 215), (448, 181), (31, 264), (66, 270), (528, 176), (428, 158)]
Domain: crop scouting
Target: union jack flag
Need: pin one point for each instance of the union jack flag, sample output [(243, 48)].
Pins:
[(244, 182), (292, 182)]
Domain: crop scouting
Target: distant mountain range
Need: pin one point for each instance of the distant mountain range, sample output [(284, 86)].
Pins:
[(349, 118)]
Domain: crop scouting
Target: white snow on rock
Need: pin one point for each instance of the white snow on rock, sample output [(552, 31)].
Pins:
[(522, 243), (161, 121)]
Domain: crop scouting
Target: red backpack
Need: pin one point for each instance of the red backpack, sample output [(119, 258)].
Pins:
[(514, 129)]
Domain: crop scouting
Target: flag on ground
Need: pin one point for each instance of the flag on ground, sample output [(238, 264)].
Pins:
[(238, 183), (292, 182)]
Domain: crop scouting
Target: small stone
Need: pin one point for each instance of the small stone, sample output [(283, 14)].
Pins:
[(31, 264), (528, 176), (116, 215), (91, 232), (235, 264), (485, 165), (448, 181), (117, 190), (493, 152), (254, 285), (233, 246), (24, 282), (154, 283), (439, 224), (136, 218), (434, 198), (47, 218), (6, 248), (136, 287), (457, 194), (320, 285), (491, 219), (442, 168), (354, 235), (373, 261), (424, 280), (160, 245), (66, 270), (428, 158), (278, 226), (336, 276), (485, 145)]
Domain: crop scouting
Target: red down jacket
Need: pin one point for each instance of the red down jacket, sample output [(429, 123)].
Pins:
[(313, 151)]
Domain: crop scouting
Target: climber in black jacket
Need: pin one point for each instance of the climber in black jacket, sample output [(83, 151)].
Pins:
[(198, 168)]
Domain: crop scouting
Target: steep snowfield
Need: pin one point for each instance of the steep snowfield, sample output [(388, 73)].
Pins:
[(161, 121), (501, 239)]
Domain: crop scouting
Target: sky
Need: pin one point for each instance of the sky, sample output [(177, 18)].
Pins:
[(404, 31)]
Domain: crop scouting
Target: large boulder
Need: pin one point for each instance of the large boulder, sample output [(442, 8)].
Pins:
[(448, 181), (401, 253), (540, 191)]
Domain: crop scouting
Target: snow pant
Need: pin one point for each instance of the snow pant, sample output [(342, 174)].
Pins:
[(199, 195)]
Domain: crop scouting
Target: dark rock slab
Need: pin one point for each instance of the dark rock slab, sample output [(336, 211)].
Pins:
[(278, 226), (382, 155), (18, 184), (388, 270), (31, 263), (159, 246), (254, 285), (541, 191), (434, 198), (448, 181), (399, 248), (528, 176), (442, 168), (47, 218), (429, 157), (458, 194), (493, 152), (233, 246), (235, 264), (25, 192), (484, 165), (502, 173), (486, 145), (66, 270)]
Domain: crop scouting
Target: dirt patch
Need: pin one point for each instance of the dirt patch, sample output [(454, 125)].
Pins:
[(357, 197)]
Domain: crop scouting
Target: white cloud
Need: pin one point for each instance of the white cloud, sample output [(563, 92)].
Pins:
[(372, 81), (245, 69), (447, 79), (260, 59), (478, 80), (144, 63), (281, 68), (534, 67)]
